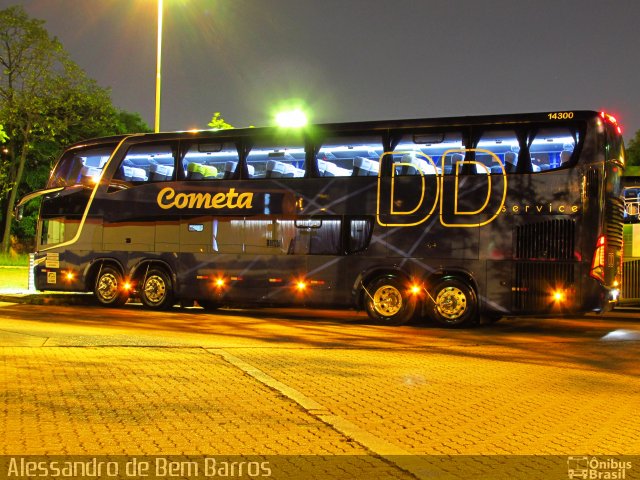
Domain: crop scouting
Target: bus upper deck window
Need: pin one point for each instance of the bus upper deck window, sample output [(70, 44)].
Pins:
[(276, 159), (552, 148), (210, 161), (350, 156), (152, 162), (498, 151), (428, 153)]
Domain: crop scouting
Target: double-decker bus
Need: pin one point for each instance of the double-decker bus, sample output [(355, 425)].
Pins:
[(445, 218)]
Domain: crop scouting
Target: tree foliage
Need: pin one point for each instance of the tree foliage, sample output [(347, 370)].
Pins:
[(218, 123), (46, 102), (633, 151)]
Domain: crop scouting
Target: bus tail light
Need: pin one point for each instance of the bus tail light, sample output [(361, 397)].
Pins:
[(598, 263), (612, 120)]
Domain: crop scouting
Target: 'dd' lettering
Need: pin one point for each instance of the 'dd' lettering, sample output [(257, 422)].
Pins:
[(476, 198), (470, 200), (409, 199)]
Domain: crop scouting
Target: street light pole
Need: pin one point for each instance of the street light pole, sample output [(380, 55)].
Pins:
[(158, 67)]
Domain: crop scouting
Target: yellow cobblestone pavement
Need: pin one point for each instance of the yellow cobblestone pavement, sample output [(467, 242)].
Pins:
[(453, 408), (456, 401), (139, 401)]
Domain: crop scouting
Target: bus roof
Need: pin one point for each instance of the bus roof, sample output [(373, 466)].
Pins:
[(364, 126)]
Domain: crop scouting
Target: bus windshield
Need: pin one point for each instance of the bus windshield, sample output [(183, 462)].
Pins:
[(81, 166)]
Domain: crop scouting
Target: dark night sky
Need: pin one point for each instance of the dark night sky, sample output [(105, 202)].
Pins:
[(353, 60)]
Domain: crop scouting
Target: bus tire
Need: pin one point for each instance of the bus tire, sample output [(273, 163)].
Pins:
[(157, 289), (387, 301), (108, 289), (453, 303)]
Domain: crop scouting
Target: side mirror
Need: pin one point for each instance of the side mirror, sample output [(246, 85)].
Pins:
[(19, 213)]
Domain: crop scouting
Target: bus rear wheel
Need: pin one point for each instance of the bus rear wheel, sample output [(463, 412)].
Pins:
[(109, 288), (388, 303), (454, 303), (157, 290)]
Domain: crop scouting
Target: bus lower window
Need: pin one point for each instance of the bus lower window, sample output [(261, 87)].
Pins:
[(52, 231), (359, 234), (316, 237)]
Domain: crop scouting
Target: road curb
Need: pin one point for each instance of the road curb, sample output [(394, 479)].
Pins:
[(48, 298)]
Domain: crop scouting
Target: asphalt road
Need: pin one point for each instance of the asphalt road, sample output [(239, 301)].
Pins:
[(522, 398)]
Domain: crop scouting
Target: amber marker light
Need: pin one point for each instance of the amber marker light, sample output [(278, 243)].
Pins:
[(69, 276), (219, 282), (301, 285), (127, 286), (558, 296)]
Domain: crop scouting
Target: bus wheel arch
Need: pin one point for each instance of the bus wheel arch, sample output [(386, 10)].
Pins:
[(156, 285), (453, 300), (107, 281), (386, 298)]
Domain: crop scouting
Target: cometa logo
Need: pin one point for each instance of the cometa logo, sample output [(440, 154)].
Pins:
[(168, 198)]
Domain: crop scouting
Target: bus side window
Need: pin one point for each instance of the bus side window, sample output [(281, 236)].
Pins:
[(497, 150), (427, 153), (552, 148), (360, 230), (316, 237), (346, 156), (273, 159), (144, 163), (208, 160)]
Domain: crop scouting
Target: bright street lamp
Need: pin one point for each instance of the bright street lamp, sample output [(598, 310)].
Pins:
[(158, 67), (291, 118)]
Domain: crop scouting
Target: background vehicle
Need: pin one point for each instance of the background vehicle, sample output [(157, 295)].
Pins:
[(447, 218), (630, 293)]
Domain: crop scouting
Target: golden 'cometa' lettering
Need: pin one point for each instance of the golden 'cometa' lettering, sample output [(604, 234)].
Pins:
[(168, 198)]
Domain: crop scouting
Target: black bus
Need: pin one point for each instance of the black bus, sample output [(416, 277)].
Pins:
[(445, 218)]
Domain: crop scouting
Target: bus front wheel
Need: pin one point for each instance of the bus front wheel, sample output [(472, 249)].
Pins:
[(454, 303), (388, 302), (109, 288), (157, 290)]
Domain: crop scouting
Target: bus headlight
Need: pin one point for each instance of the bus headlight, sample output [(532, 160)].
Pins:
[(614, 295)]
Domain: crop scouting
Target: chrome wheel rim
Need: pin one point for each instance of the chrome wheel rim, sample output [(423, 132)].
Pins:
[(387, 301), (451, 303), (108, 287), (155, 289)]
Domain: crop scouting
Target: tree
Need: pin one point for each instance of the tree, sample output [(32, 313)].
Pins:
[(218, 123), (46, 101), (633, 151)]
